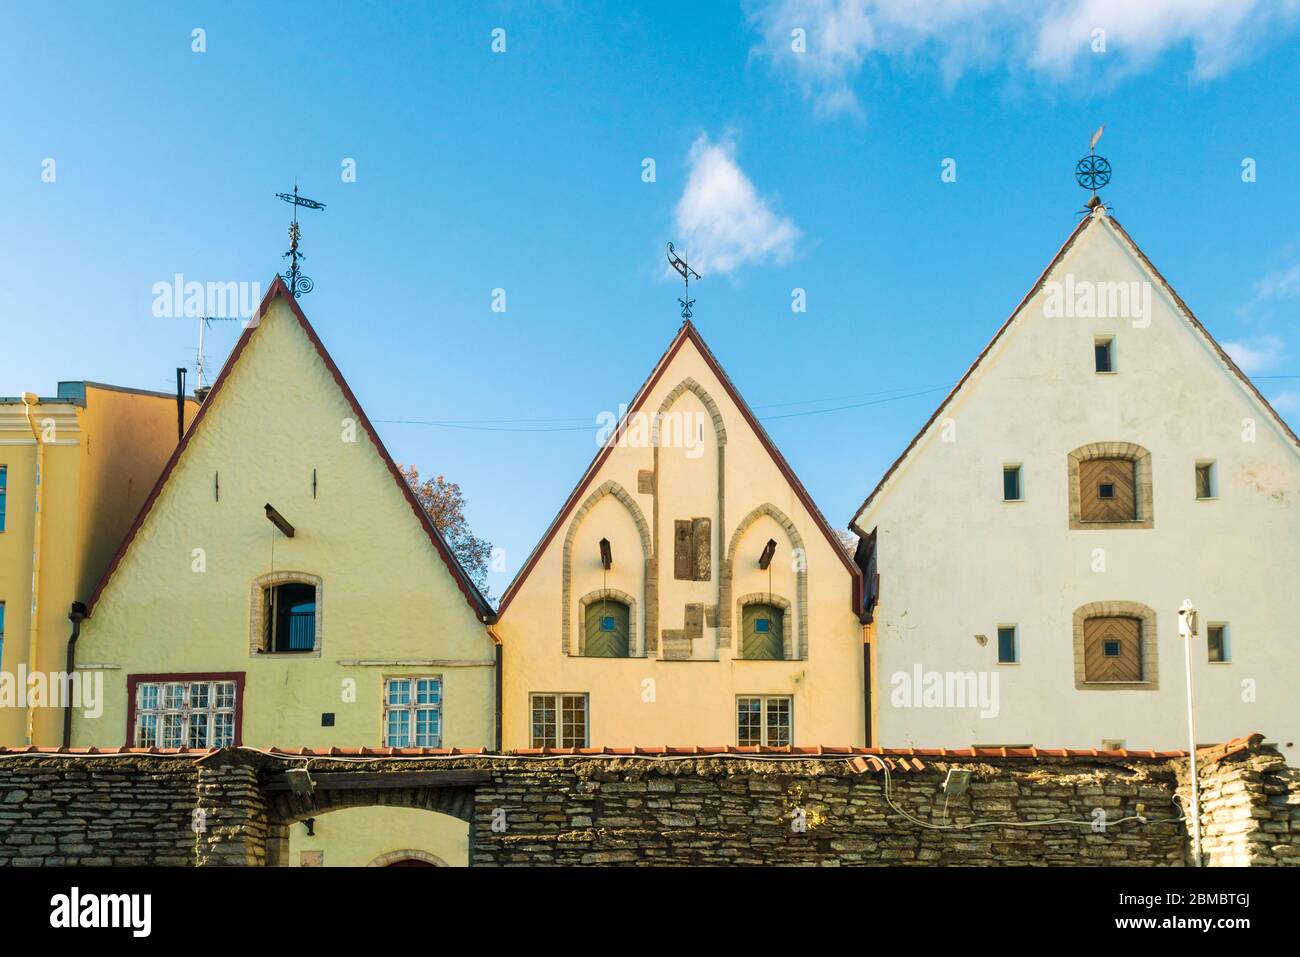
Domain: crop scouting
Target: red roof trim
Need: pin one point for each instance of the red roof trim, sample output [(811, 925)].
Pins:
[(686, 333), (1178, 301), (278, 289)]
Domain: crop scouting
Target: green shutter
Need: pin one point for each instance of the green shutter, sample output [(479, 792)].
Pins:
[(763, 644), (607, 644)]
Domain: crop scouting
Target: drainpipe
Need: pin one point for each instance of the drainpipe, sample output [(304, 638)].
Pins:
[(499, 672), (77, 615), (30, 399)]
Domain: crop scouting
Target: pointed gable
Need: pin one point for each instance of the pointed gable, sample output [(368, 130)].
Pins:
[(1098, 219), (246, 346), (687, 340)]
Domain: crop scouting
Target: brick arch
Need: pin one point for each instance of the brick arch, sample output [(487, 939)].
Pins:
[(800, 646), (1150, 660), (1141, 459), (643, 529), (617, 595), (690, 385)]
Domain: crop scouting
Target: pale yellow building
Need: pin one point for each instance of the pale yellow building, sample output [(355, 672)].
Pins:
[(74, 470), (283, 587), (689, 592)]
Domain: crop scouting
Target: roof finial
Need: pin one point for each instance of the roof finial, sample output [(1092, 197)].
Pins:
[(299, 284), (686, 272), (1093, 171)]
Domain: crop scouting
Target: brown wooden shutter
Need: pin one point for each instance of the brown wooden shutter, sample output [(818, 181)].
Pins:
[(1117, 477), (1112, 649), (701, 540), (682, 549)]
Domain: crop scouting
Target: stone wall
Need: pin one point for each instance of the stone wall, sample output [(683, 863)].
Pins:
[(223, 808)]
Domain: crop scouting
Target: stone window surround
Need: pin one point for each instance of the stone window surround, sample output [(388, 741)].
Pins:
[(1113, 450), (1150, 660), (634, 650), (411, 854), (257, 621), (766, 598)]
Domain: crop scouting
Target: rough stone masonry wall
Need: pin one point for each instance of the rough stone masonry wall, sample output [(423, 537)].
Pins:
[(1250, 810)]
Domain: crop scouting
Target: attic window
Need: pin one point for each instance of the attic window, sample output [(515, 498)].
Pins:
[(1104, 354), (1207, 481), (286, 614), (1012, 490)]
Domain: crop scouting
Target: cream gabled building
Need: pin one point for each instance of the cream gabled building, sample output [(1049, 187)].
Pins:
[(688, 592), (1101, 461), (282, 586)]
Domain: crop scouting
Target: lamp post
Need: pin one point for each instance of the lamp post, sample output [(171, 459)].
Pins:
[(1187, 631)]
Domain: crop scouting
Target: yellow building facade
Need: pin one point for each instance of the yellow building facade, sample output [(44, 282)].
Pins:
[(283, 587), (689, 592), (74, 470)]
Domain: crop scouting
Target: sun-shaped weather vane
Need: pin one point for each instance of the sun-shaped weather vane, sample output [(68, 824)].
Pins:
[(1093, 171)]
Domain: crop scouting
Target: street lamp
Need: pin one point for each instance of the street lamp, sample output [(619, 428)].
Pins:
[(1187, 625)]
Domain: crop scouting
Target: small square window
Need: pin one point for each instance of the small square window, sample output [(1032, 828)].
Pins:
[(1104, 355), (1110, 649), (763, 625), (1106, 490), (607, 623), (1207, 484), (1217, 642), (1011, 485), (1008, 645)]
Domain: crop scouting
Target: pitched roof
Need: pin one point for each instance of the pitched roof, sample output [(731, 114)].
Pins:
[(687, 333), (1097, 214), (279, 290)]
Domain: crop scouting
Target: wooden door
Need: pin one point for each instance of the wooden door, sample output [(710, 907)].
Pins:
[(1112, 649)]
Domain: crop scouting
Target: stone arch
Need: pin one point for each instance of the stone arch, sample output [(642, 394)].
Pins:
[(1141, 460), (800, 646), (256, 616), (1150, 661), (633, 649), (767, 598), (643, 529), (690, 385), (411, 854)]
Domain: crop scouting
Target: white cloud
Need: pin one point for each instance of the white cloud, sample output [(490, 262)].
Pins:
[(1258, 355), (1287, 404), (721, 217), (1050, 39), (1281, 284)]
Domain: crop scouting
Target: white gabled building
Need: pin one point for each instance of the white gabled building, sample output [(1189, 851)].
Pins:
[(1102, 460)]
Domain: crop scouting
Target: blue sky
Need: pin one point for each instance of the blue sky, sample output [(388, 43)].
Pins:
[(523, 171)]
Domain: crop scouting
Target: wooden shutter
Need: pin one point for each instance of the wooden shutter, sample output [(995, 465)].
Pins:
[(1121, 477), (701, 540), (602, 643), (682, 550), (768, 644), (1124, 632)]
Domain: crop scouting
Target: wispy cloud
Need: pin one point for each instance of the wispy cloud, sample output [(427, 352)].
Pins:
[(1257, 355), (1287, 405), (1050, 39), (724, 221)]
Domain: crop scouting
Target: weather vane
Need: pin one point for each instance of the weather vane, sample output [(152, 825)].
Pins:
[(686, 272), (1093, 171), (299, 284)]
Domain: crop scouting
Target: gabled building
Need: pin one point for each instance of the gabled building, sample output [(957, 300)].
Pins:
[(688, 591), (1101, 461), (75, 468), (282, 586)]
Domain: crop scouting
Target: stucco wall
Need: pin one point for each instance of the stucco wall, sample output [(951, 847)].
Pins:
[(956, 561)]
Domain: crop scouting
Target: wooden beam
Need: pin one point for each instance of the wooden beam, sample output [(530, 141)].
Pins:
[(279, 520), (362, 780)]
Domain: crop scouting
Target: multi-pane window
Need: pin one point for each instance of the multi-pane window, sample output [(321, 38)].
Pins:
[(1217, 642), (559, 720), (413, 712), (1011, 485), (4, 487), (764, 719), (1008, 644), (189, 714)]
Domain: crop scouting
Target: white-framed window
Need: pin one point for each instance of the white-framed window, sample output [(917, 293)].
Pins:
[(765, 719), (1008, 644), (1218, 644), (413, 712), (558, 720), (195, 713)]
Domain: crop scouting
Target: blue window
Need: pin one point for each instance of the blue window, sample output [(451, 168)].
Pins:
[(4, 484), (607, 623), (763, 625), (1008, 650), (1110, 649)]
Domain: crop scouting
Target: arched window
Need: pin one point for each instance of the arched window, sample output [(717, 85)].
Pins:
[(762, 631), (286, 614), (606, 629)]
